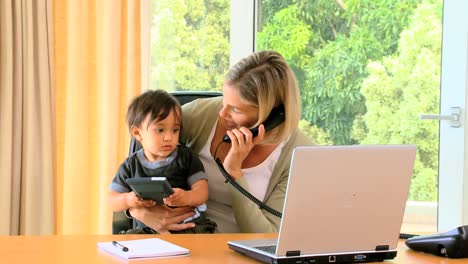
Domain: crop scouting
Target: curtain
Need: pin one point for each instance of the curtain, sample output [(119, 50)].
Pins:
[(27, 152), (97, 58)]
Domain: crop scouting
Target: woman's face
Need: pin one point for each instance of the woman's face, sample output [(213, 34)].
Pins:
[(236, 112)]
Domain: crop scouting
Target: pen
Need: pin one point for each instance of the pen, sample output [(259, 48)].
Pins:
[(117, 244)]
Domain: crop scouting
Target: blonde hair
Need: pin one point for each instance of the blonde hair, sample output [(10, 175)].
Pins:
[(265, 80)]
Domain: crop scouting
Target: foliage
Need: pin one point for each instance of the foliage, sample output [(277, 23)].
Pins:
[(333, 83), (402, 86), (366, 68), (189, 44), (330, 70), (285, 25), (317, 135)]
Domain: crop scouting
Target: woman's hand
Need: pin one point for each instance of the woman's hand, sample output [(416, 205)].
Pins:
[(242, 142), (162, 218)]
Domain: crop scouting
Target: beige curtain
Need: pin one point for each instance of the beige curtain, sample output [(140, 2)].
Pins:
[(97, 59), (26, 118)]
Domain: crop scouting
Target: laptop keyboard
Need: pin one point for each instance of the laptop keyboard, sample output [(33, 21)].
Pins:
[(269, 249)]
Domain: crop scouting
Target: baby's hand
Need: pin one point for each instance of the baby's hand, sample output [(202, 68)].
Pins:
[(134, 201), (178, 198)]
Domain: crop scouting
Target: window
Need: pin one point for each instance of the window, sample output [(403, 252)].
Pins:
[(189, 44), (366, 73)]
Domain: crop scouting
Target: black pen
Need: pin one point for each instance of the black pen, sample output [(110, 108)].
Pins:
[(117, 244)]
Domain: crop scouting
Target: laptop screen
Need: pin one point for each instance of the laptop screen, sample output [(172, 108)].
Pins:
[(345, 198)]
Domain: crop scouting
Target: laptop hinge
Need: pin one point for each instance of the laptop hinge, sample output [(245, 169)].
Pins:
[(382, 247), (293, 253)]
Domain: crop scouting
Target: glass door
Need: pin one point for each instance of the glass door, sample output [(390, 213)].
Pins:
[(367, 73), (368, 70), (453, 178)]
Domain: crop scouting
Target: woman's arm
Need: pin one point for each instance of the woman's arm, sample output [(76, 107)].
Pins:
[(162, 218)]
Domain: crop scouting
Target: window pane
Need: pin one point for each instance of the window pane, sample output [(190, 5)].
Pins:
[(367, 70), (189, 44)]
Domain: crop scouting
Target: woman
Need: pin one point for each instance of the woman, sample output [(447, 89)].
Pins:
[(252, 88)]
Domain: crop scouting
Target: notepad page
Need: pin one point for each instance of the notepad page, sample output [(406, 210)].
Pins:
[(144, 248)]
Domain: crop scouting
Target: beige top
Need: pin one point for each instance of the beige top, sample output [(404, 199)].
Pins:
[(199, 118)]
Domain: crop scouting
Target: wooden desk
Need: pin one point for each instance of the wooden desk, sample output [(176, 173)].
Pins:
[(204, 249)]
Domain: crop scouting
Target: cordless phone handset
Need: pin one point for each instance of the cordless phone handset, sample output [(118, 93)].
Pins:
[(275, 118)]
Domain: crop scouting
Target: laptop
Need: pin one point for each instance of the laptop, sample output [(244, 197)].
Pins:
[(343, 204)]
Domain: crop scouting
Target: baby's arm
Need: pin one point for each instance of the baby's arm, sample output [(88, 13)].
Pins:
[(123, 201), (198, 195)]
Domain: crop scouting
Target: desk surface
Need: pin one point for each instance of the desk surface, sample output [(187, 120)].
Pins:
[(204, 249)]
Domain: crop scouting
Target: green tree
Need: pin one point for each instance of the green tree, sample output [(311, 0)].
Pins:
[(189, 44), (317, 135), (345, 35), (286, 25), (335, 73), (333, 84), (402, 86)]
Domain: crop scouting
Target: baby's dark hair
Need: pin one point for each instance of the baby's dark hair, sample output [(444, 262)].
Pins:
[(157, 102)]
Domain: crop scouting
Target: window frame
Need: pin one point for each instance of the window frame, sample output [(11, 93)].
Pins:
[(453, 176)]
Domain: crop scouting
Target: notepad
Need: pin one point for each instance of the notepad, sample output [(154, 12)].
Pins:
[(143, 248)]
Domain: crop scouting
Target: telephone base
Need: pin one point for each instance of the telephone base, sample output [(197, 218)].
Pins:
[(451, 244)]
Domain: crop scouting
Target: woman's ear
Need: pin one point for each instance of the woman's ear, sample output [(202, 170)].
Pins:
[(136, 133)]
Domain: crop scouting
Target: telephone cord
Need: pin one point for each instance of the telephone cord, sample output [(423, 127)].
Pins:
[(241, 189)]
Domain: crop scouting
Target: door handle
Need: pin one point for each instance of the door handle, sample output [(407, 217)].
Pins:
[(453, 118)]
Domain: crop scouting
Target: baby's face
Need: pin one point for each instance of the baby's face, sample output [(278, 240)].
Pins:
[(159, 138)]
